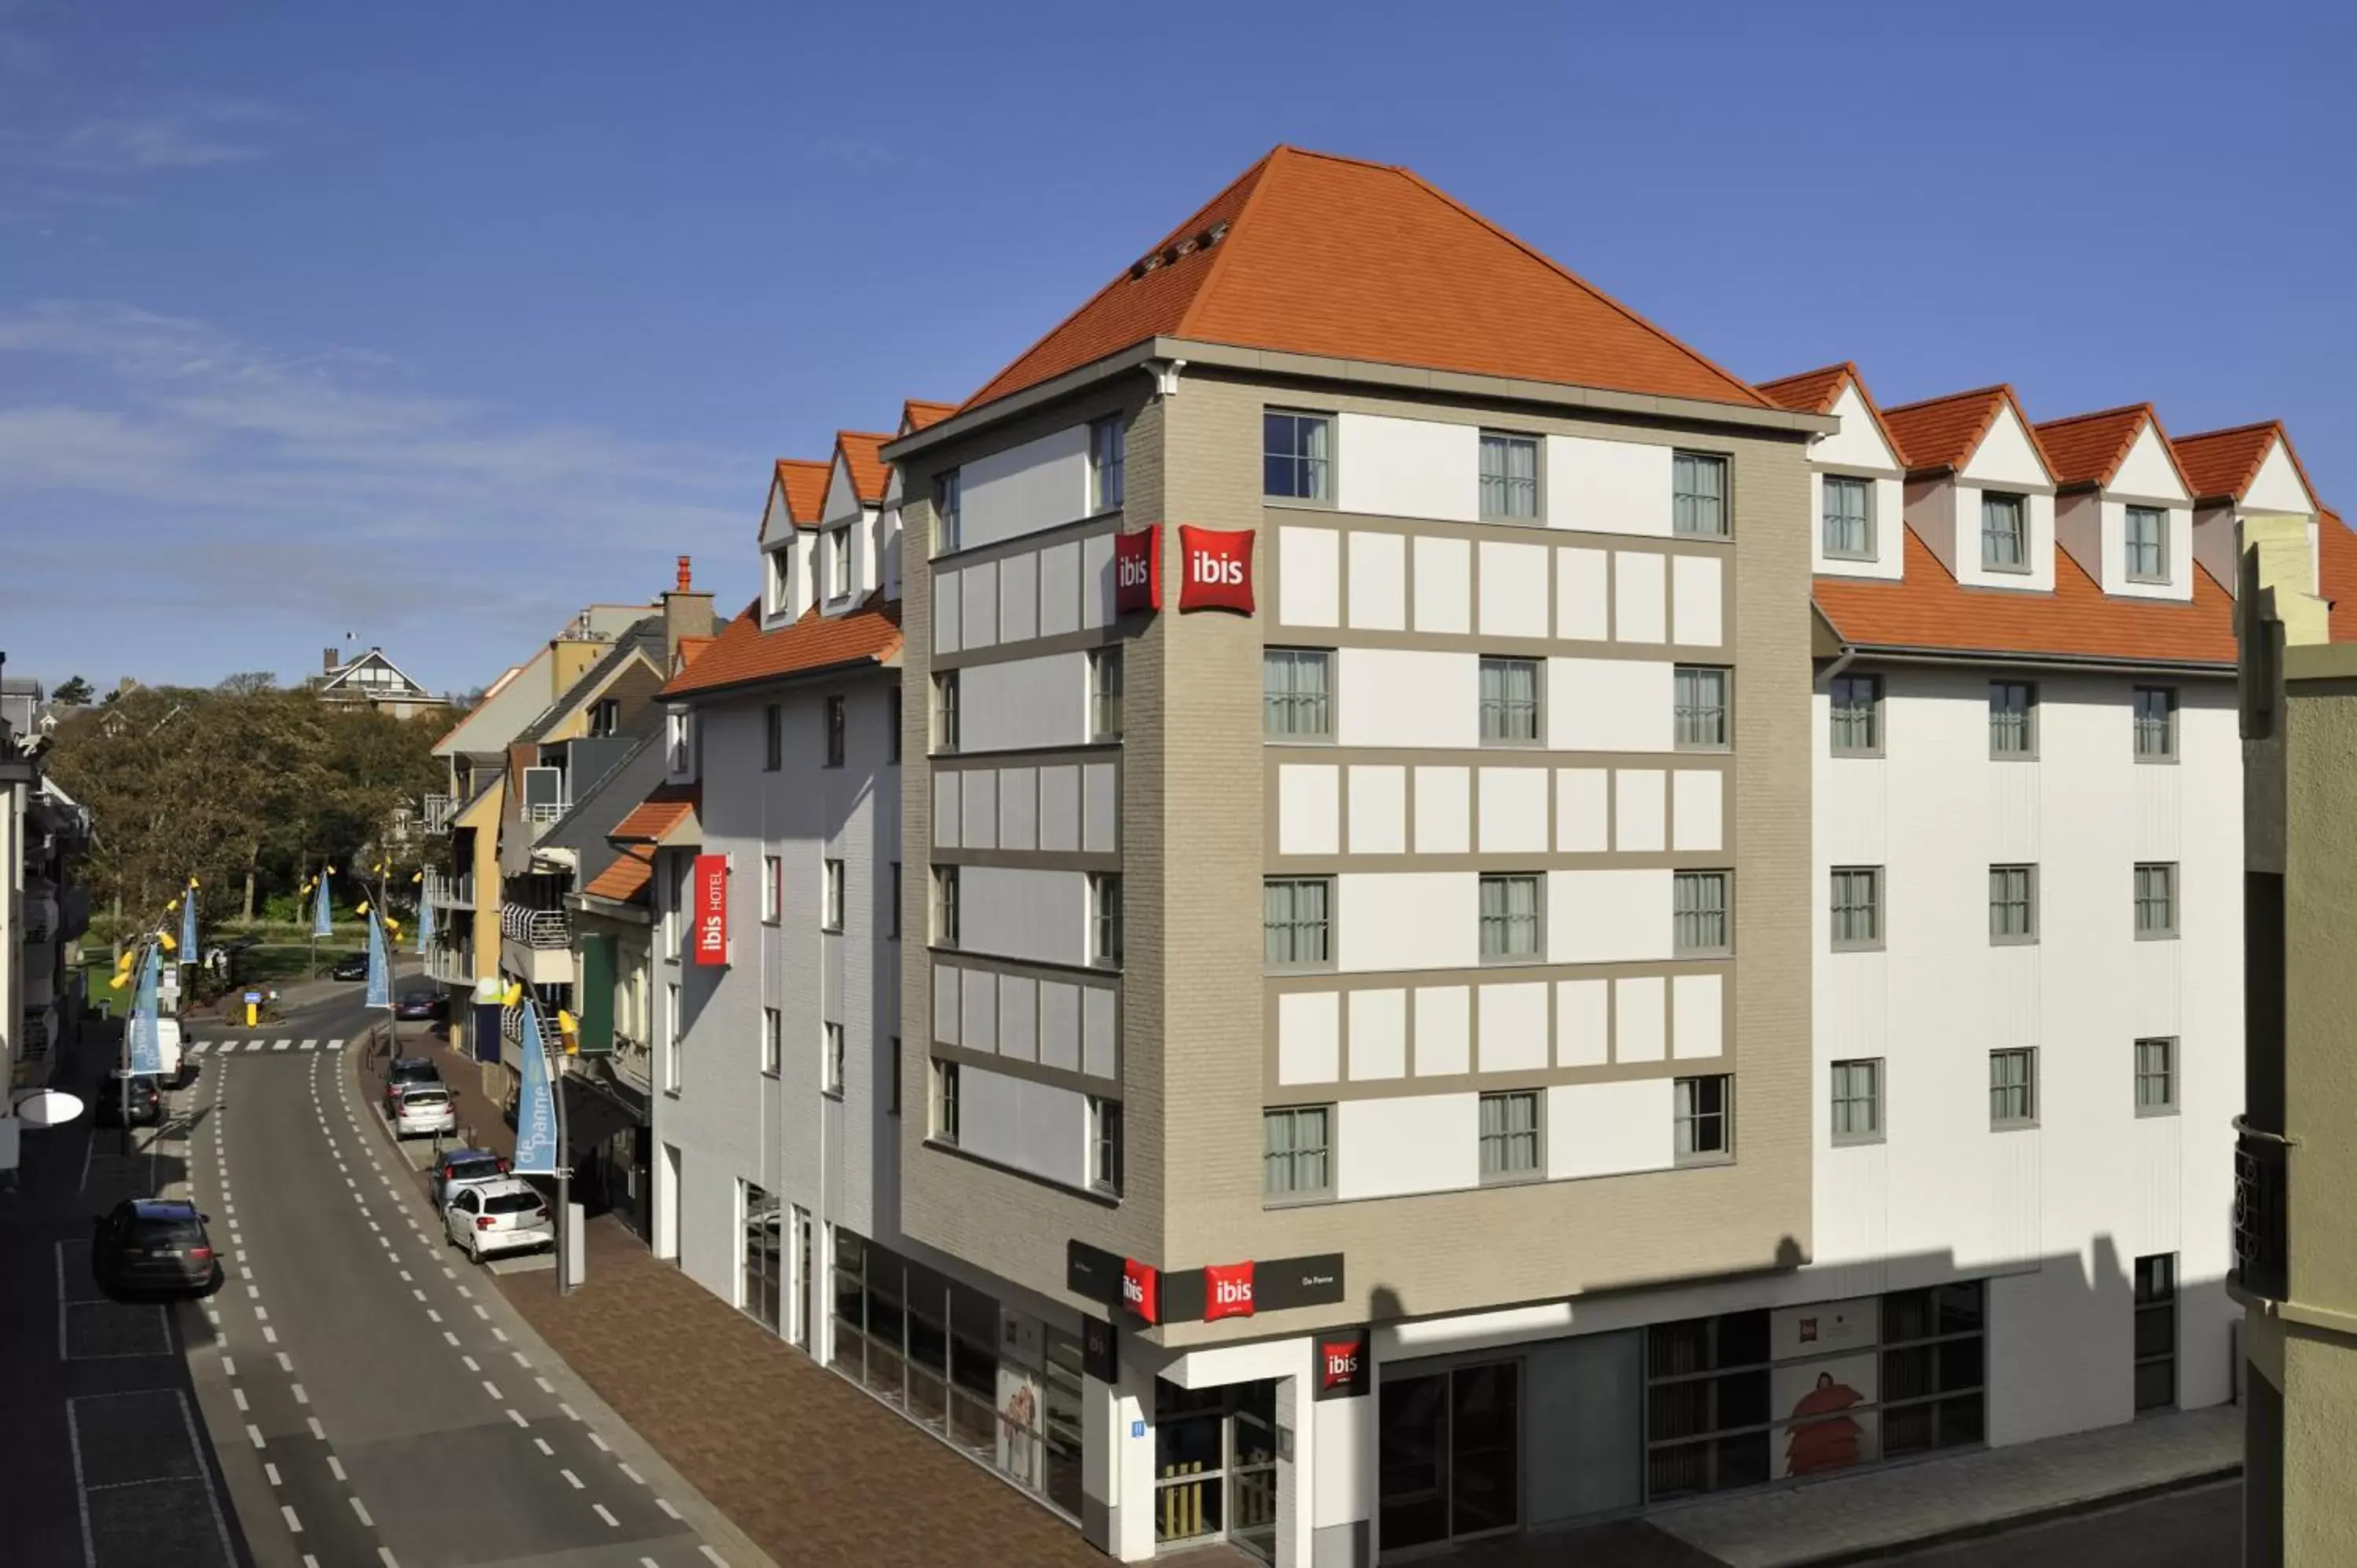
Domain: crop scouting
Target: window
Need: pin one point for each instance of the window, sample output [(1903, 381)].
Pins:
[(1510, 701), (2156, 901), (1701, 697), (672, 1040), (830, 916), (2013, 719), (781, 579), (838, 725), (1856, 706), (1296, 686), (773, 738), (838, 562), (2155, 1078), (946, 530), (945, 906), (1698, 495), (1703, 1118), (680, 741), (1296, 918), (2155, 1332), (1296, 454), (1106, 446), (2148, 544), (1858, 1102), (893, 1108), (892, 725), (1510, 917), (1698, 913), (946, 1102), (1105, 916), (1849, 519), (1104, 1145), (773, 1039), (1510, 478), (945, 711), (2013, 903), (1296, 1156), (2005, 533), (2155, 712), (1509, 1136), (1105, 693), (2013, 1088), (774, 888), (605, 717), (832, 1067), (893, 932), (1858, 907)]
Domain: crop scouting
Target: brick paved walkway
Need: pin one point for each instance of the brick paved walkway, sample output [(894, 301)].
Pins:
[(810, 1468)]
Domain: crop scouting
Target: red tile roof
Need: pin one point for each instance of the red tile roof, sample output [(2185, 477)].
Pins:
[(862, 453), (1930, 610), (916, 414), (1815, 391), (1940, 434), (2220, 464), (689, 647), (665, 807), (1308, 254), (626, 880), (744, 654), (2336, 560), (804, 480)]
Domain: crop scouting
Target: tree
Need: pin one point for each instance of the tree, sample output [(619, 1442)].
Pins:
[(74, 693)]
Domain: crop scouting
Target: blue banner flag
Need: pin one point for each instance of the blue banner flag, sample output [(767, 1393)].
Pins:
[(424, 926), (536, 1142), (380, 979), (189, 925), (320, 925), (147, 1045)]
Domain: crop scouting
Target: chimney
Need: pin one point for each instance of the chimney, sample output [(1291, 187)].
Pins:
[(686, 614), (326, 661)]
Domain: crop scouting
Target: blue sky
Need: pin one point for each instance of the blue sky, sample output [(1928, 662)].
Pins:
[(429, 323)]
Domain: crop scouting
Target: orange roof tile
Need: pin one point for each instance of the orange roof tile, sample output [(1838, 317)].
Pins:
[(1814, 391), (1940, 434), (1930, 610), (1310, 253), (665, 807), (689, 647), (2336, 560), (863, 454), (627, 878), (2220, 464), (804, 480), (744, 654), (916, 414)]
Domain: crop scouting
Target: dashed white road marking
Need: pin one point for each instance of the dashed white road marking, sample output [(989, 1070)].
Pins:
[(361, 1508), (336, 1468), (300, 1397), (636, 1478), (229, 1367), (272, 1471), (254, 1433), (492, 1389), (239, 1395), (602, 1511), (517, 1416), (542, 1443), (293, 1524), (600, 1442), (285, 1362), (578, 1484), (718, 1561), (317, 1429), (570, 1413)]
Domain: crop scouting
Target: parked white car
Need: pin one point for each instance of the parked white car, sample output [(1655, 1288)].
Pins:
[(490, 1217), (422, 1108)]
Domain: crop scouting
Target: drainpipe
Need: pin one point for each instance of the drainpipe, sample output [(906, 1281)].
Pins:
[(1842, 660)]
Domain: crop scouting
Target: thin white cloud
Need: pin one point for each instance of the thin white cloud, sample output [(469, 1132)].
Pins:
[(184, 136)]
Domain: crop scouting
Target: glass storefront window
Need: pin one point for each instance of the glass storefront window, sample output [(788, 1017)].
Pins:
[(1060, 1423)]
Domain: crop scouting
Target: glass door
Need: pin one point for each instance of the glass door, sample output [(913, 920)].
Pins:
[(1251, 1470), (802, 1279), (1189, 1460), (1448, 1454)]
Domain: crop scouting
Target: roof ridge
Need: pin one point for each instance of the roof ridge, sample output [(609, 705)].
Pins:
[(1221, 251), (1336, 158), (2006, 387), (2275, 425), (1577, 282), (2144, 408), (1842, 367)]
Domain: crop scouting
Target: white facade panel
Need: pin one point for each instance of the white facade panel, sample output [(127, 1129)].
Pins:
[(1018, 807), (946, 993), (1378, 810), (1014, 912), (1442, 588), (1038, 485), (1396, 698), (949, 600), (2277, 486), (1640, 1019), (1059, 806), (1859, 444), (1698, 601), (2006, 456), (1514, 1030), (1025, 1124), (978, 622), (1583, 594), (980, 830), (1408, 467), (1024, 702), (1100, 1032), (1886, 531), (1513, 810), (1514, 589), (1308, 576), (2039, 510), (1018, 1017), (1100, 807), (1308, 1036), (1696, 810), (1609, 1128), (1096, 581), (1639, 809), (1308, 810), (1443, 1030), (1583, 1019), (1060, 1024), (1060, 589), (1608, 486), (1608, 705), (1617, 915), (1443, 811), (1378, 1034), (1583, 811), (947, 812), (1419, 1142), (978, 1010), (1697, 1017), (1406, 919), (1019, 598), (1639, 596), (1378, 581), (2147, 471)]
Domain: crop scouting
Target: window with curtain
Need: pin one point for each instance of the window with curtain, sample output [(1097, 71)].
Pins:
[(2156, 900), (1857, 707), (1106, 693), (2155, 1076), (1510, 916), (1295, 454), (1295, 684), (2013, 903), (1510, 1134), (1509, 700), (1858, 1102), (1701, 719), (2156, 724), (947, 510), (1858, 906), (2005, 533), (1510, 478), (1698, 918), (1701, 1108), (1849, 518), (1297, 922), (2148, 544), (2013, 719), (2013, 1088), (1106, 457), (1295, 1153), (1698, 495)]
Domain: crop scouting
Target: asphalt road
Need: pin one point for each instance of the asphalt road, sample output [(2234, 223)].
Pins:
[(2198, 1529), (377, 1412)]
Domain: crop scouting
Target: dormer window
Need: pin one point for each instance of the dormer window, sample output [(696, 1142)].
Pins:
[(782, 580), (1849, 519), (2005, 533), (680, 742), (2148, 544), (838, 562)]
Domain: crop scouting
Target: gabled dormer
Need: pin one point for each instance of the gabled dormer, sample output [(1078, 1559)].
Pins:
[(2234, 475), (2123, 507), (789, 525), (1856, 475), (1980, 493), (849, 564)]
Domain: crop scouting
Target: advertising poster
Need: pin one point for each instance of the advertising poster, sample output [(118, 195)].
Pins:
[(1825, 1394), (1018, 1398)]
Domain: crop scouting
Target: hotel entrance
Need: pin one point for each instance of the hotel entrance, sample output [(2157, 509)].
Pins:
[(1448, 1454), (1215, 1466)]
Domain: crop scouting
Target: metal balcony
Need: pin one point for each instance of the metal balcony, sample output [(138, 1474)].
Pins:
[(2262, 1204), (633, 1060), (439, 809), (450, 892), (535, 927)]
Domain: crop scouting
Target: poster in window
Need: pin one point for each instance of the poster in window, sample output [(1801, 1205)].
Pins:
[(1018, 1426), (1826, 1403)]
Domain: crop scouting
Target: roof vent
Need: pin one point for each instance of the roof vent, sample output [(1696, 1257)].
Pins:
[(1200, 241)]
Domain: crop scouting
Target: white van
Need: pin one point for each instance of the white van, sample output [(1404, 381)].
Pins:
[(176, 1066)]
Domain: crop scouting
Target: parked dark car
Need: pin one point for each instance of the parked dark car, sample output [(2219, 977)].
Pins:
[(418, 1006), (351, 966), (464, 1168), (404, 1071), (145, 1108), (152, 1244)]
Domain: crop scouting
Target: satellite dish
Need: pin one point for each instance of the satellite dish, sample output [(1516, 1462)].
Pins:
[(48, 1108)]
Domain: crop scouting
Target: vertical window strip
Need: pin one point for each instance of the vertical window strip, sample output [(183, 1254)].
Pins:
[(1698, 495), (1849, 516), (1700, 912), (1509, 700), (1856, 702)]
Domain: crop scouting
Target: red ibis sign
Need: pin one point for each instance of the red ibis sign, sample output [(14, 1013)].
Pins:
[(710, 892), (1215, 569), (1137, 570)]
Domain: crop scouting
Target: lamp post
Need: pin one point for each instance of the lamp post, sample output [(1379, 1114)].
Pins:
[(565, 1228)]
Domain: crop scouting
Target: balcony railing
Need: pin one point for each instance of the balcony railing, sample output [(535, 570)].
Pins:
[(634, 1059), (2262, 1195), (450, 892), (439, 809), (540, 813), (536, 927)]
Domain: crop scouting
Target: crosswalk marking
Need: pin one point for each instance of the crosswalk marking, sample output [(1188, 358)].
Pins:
[(310, 1045), (335, 1045), (198, 1047), (282, 1045)]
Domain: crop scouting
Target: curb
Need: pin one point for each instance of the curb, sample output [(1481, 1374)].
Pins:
[(1985, 1529)]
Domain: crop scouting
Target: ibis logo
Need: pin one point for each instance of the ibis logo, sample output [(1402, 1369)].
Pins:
[(1227, 1291), (1141, 1289), (1342, 1366), (1137, 570), (1216, 567)]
